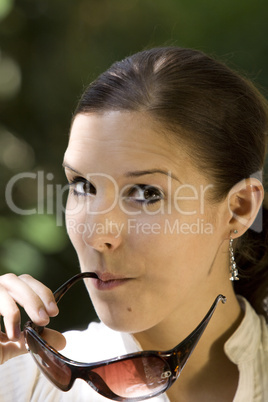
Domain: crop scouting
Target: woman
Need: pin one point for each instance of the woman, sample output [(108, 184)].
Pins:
[(164, 163)]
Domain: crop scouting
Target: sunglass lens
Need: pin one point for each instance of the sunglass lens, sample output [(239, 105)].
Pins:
[(134, 377), (53, 368)]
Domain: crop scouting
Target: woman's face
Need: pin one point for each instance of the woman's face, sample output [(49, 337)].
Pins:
[(138, 215)]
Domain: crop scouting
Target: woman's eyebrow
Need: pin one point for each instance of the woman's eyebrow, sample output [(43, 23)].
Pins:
[(66, 166), (138, 173)]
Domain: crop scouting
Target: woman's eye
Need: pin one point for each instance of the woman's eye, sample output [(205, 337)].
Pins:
[(145, 194), (81, 186)]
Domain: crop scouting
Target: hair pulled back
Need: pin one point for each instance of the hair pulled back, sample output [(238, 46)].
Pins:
[(220, 117)]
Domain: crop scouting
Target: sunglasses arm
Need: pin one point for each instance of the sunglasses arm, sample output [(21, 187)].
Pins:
[(60, 292), (183, 351)]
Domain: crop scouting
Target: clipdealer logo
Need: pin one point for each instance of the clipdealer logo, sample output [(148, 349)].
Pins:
[(185, 199), (50, 197)]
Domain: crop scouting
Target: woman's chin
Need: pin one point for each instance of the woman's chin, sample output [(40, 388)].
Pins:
[(127, 322), (121, 325)]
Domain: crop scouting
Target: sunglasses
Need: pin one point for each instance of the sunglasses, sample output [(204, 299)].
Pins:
[(132, 377)]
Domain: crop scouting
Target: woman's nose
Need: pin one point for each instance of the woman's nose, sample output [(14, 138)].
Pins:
[(103, 242), (104, 221), (104, 232)]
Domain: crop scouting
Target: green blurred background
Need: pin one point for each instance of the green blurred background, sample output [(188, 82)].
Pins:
[(49, 51)]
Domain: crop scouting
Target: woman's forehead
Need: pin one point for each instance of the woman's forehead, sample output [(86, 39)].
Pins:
[(129, 130), (128, 135)]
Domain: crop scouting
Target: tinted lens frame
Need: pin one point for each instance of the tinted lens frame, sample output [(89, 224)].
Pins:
[(50, 361)]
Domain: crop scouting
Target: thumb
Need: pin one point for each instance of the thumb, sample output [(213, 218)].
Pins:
[(54, 338)]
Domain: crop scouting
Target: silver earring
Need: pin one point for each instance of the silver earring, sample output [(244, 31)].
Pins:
[(233, 267)]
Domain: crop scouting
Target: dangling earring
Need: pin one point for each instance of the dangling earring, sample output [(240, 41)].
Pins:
[(233, 267)]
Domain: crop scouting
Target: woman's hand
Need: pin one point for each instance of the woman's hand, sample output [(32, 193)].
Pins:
[(38, 302)]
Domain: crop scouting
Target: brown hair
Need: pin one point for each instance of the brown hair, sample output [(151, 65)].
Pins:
[(218, 114)]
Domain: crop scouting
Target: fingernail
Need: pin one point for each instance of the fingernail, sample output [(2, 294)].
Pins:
[(53, 308), (43, 314)]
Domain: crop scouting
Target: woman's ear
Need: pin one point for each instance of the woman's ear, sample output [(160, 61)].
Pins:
[(244, 202)]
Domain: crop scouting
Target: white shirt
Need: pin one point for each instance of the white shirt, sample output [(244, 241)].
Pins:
[(21, 381)]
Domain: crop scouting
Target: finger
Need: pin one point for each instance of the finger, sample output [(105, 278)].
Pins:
[(11, 315), (26, 297), (43, 292)]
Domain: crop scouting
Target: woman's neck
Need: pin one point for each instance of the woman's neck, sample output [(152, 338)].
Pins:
[(208, 370)]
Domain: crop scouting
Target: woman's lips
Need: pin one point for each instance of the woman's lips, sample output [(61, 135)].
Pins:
[(107, 281)]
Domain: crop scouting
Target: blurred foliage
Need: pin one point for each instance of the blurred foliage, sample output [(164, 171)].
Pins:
[(51, 49)]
